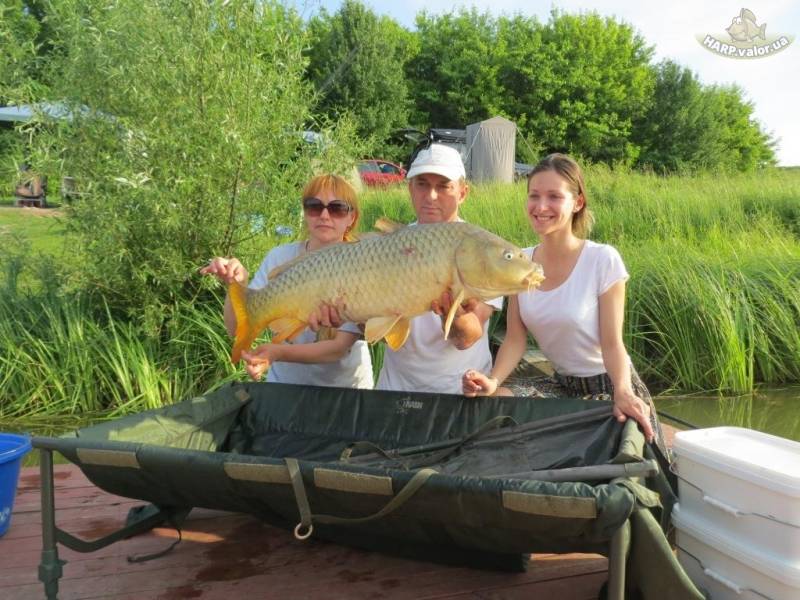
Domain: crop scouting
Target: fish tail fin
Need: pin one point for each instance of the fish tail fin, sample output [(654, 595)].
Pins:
[(761, 31), (245, 333)]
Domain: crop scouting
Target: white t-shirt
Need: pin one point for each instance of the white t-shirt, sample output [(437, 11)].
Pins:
[(429, 363), (565, 321), (354, 369)]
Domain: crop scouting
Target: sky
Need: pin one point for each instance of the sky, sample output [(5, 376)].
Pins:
[(771, 83)]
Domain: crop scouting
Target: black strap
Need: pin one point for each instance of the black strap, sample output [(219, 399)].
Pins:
[(450, 447), (156, 517), (437, 457), (140, 558)]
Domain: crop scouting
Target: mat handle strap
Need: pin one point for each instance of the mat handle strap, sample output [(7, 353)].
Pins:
[(305, 527)]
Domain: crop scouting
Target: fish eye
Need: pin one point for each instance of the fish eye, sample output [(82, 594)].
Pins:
[(508, 255)]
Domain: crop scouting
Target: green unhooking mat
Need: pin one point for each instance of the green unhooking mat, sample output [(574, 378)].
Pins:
[(420, 474)]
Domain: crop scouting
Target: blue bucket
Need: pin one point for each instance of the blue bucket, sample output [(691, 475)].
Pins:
[(12, 449)]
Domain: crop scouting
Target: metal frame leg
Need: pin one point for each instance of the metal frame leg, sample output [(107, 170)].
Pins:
[(618, 557), (50, 569)]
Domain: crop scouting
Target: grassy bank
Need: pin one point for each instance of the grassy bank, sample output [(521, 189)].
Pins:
[(714, 297)]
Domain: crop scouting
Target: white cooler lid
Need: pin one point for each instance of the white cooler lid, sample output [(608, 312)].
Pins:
[(774, 566), (768, 460)]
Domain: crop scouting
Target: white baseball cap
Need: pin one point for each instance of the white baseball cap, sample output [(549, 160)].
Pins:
[(439, 159)]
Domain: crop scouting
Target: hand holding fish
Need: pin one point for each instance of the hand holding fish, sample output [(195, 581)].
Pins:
[(475, 383), (627, 404), (467, 326), (325, 315), (227, 270), (258, 360)]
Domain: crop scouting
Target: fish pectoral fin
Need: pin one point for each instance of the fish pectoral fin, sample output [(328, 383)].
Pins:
[(286, 328), (377, 328), (452, 313), (399, 333), (385, 225), (326, 333)]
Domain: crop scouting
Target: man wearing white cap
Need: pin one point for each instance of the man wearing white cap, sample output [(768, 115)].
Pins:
[(427, 362)]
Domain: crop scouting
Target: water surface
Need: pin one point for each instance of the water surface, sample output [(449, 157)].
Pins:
[(774, 410)]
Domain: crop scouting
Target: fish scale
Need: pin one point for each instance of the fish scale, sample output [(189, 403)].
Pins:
[(388, 277)]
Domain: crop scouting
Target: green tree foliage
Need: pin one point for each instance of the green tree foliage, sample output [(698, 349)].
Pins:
[(596, 83), (184, 138), (20, 49), (356, 64), (574, 84), (691, 126), (454, 77)]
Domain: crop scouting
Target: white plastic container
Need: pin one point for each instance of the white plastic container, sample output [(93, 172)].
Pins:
[(728, 570), (744, 484)]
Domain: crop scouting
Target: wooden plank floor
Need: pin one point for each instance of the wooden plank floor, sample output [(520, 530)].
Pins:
[(225, 554)]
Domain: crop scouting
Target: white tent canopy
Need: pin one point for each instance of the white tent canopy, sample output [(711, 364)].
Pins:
[(491, 145), (26, 112)]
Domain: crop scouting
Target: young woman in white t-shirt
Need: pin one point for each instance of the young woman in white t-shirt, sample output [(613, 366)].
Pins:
[(576, 314), (331, 213)]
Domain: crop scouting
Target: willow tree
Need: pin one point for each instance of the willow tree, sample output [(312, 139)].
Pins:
[(183, 134)]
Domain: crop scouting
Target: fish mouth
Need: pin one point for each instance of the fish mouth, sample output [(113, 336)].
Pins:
[(527, 283), (533, 279)]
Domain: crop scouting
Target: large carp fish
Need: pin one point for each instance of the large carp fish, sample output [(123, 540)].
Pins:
[(383, 281)]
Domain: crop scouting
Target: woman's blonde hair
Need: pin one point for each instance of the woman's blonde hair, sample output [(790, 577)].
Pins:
[(570, 171), (342, 190)]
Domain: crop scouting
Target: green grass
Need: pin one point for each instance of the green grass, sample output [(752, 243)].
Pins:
[(58, 355), (713, 302), (36, 232)]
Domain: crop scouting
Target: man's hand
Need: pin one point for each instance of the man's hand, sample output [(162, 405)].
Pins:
[(326, 315), (467, 326)]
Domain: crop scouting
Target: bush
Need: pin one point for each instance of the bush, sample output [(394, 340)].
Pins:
[(184, 138)]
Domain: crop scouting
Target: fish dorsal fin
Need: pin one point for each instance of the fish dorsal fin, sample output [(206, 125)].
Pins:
[(286, 328), (377, 328), (386, 225), (298, 259), (286, 266), (399, 334), (747, 14), (452, 313)]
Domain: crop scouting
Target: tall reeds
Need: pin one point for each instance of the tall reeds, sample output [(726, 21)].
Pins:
[(59, 355), (713, 299)]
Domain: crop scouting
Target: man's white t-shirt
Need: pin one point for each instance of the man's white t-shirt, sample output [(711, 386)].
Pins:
[(565, 321), (352, 370), (429, 363)]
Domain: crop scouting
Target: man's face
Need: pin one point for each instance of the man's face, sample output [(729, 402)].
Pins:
[(435, 198)]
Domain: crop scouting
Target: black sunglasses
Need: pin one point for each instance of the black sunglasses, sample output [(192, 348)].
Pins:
[(337, 209)]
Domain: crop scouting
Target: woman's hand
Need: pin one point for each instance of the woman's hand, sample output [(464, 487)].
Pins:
[(474, 383), (227, 270), (627, 404), (258, 360)]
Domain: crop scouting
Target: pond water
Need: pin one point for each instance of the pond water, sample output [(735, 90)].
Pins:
[(774, 410)]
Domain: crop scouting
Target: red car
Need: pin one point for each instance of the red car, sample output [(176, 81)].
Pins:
[(375, 172)]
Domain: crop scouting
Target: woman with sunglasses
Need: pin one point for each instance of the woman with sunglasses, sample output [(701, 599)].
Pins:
[(331, 214)]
